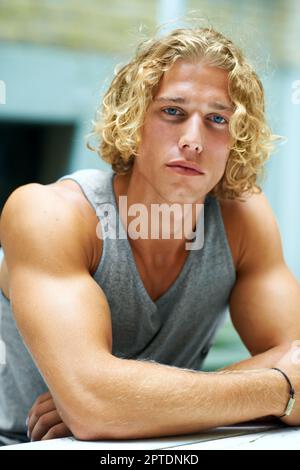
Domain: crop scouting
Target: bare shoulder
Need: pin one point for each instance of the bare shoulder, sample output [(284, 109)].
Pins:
[(45, 226), (72, 193), (252, 231)]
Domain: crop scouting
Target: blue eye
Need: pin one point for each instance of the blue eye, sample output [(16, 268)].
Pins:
[(172, 113), (219, 119)]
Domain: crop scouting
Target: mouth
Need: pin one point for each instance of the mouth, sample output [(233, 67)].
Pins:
[(185, 168)]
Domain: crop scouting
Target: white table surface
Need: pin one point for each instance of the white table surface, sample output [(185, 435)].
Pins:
[(244, 436)]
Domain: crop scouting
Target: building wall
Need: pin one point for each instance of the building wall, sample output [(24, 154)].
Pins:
[(57, 57)]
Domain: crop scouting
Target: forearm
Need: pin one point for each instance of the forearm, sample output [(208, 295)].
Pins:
[(145, 399), (266, 359)]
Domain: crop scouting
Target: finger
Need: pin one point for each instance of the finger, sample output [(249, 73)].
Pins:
[(37, 412), (60, 430), (44, 424), (44, 397)]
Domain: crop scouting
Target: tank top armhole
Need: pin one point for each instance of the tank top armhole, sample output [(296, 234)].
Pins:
[(64, 178), (225, 240), (100, 262)]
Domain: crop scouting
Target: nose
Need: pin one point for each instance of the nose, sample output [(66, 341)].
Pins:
[(191, 139), (192, 146)]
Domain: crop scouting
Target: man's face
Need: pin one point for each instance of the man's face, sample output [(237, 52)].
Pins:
[(186, 122)]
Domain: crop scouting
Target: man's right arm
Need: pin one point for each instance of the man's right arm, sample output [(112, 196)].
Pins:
[(61, 312), (65, 321)]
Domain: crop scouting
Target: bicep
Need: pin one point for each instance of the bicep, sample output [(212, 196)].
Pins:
[(265, 301), (264, 308), (65, 322), (61, 312)]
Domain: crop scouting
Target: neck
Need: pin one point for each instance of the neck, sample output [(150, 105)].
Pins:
[(169, 241)]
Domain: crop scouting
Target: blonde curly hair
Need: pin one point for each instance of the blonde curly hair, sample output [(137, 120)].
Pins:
[(119, 120)]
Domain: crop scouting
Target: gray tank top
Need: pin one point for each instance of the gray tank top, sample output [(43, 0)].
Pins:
[(177, 329)]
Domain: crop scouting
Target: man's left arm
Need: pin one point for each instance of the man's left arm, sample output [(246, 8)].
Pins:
[(265, 301)]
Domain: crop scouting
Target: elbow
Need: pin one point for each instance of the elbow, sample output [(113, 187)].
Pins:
[(84, 430), (94, 418), (81, 432), (91, 415), (102, 422), (86, 426)]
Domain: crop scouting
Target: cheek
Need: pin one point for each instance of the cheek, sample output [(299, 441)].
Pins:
[(155, 135), (221, 146), (223, 157), (222, 137), (219, 161), (157, 127)]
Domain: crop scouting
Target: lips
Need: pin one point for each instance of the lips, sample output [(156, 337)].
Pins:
[(185, 164)]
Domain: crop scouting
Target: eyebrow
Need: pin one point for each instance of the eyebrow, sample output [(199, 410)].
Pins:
[(179, 99)]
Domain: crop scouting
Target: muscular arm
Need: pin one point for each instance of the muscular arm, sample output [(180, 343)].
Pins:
[(265, 306), (62, 314), (65, 321), (265, 301), (155, 400)]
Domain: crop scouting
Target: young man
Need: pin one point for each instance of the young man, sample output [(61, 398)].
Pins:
[(117, 329)]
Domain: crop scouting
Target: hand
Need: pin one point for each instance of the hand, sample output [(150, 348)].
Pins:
[(290, 364), (44, 422)]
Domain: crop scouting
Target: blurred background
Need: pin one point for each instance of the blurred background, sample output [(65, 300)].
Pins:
[(58, 57)]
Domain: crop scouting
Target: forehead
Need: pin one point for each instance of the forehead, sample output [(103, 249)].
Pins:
[(194, 79)]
